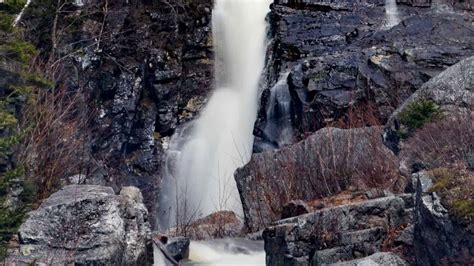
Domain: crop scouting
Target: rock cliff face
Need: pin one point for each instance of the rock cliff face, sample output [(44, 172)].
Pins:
[(425, 227), (88, 225), (339, 55), (146, 67)]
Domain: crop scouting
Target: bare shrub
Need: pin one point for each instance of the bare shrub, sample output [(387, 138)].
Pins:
[(54, 142), (441, 143), (364, 114), (329, 162)]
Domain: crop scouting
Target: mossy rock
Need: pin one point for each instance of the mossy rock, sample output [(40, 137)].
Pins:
[(455, 188)]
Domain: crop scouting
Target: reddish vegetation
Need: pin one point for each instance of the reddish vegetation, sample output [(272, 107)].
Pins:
[(54, 145), (217, 225), (343, 198), (441, 143), (326, 164)]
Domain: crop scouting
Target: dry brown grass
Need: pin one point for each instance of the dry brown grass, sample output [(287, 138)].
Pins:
[(441, 143), (364, 114), (445, 147), (343, 198), (334, 163)]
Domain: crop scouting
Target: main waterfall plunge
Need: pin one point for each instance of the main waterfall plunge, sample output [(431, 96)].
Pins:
[(204, 154)]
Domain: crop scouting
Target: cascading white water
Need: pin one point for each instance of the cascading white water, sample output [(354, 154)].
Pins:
[(279, 112), (391, 10), (203, 156), (278, 129)]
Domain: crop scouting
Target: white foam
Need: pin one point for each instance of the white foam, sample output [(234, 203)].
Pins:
[(204, 156)]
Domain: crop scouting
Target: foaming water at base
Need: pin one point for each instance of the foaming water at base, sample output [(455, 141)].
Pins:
[(203, 253), (222, 252)]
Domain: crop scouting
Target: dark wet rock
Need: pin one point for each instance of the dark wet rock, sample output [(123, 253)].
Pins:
[(340, 57), (460, 4), (301, 171), (294, 208), (417, 3), (439, 239), (336, 234), (178, 247), (88, 225)]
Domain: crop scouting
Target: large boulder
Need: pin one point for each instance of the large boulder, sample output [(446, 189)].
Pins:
[(324, 164), (452, 91), (88, 225), (341, 233)]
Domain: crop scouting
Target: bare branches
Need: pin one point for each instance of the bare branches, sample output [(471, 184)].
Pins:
[(106, 12), (54, 145)]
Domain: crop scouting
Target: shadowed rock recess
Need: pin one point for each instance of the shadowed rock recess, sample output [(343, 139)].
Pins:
[(363, 149)]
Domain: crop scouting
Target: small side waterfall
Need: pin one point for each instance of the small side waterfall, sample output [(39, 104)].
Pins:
[(391, 11), (204, 155), (278, 130)]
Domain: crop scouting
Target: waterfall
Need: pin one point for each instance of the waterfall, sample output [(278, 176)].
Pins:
[(391, 10), (204, 155)]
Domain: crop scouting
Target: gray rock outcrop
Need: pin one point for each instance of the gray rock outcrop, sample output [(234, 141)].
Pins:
[(439, 239), (452, 91), (322, 165), (178, 247), (88, 225), (338, 234)]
